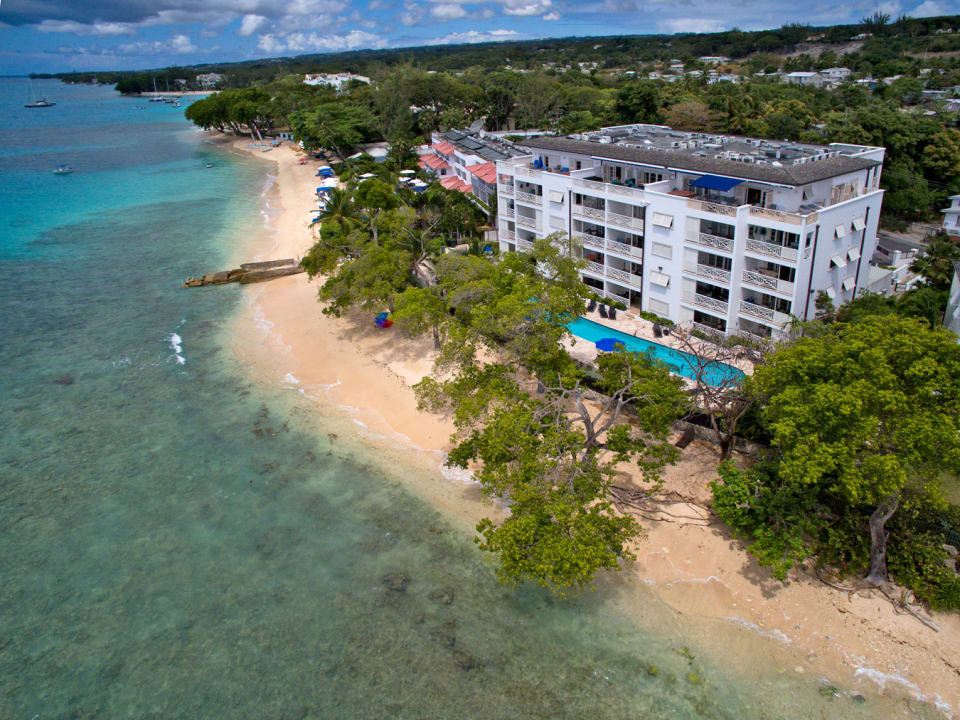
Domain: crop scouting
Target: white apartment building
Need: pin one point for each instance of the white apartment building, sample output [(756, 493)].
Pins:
[(804, 78), (334, 80), (730, 235), (951, 217)]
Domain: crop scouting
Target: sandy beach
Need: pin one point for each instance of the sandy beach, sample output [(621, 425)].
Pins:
[(360, 378)]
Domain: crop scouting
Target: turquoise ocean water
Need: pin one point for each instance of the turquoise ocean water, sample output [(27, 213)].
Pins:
[(175, 539)]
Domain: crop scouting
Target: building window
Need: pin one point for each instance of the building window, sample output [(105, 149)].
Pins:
[(579, 165)]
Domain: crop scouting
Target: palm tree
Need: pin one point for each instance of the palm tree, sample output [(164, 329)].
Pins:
[(340, 207), (935, 263)]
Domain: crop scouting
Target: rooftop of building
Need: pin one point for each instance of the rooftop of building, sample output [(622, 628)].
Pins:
[(776, 161), (471, 142)]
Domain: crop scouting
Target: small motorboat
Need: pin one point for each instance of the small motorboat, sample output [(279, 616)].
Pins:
[(62, 170), (209, 165)]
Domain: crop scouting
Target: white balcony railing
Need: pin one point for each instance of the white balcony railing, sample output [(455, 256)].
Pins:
[(777, 251), (780, 215), (707, 271), (589, 185), (707, 330), (706, 302), (594, 267), (590, 240), (625, 221), (529, 198), (765, 281), (625, 249), (763, 313), (504, 188), (507, 235), (632, 193), (716, 208), (587, 212), (527, 222), (506, 212), (615, 296), (621, 275), (753, 336), (711, 241), (524, 245)]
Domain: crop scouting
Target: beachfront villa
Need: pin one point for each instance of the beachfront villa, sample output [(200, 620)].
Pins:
[(727, 235), (334, 80)]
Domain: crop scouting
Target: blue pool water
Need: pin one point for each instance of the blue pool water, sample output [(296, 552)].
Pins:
[(678, 361)]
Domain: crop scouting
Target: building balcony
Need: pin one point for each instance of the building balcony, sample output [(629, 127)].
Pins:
[(586, 212), (506, 235), (504, 188), (635, 253), (771, 250), (768, 282), (589, 240), (707, 271), (782, 216), (527, 222), (763, 313), (602, 189), (593, 267), (506, 212), (714, 242), (704, 301), (624, 221), (707, 330), (529, 198), (524, 245), (712, 207)]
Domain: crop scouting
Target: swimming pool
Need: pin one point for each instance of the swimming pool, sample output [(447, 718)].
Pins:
[(678, 361)]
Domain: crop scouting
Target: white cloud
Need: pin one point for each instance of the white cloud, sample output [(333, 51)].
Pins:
[(447, 11), (250, 24), (307, 42), (552, 16), (412, 14), (931, 8), (102, 29), (484, 14), (474, 36), (178, 44), (690, 25), (526, 8)]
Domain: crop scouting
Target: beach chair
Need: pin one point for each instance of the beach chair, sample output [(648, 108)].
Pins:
[(603, 310), (657, 331), (612, 313), (592, 306)]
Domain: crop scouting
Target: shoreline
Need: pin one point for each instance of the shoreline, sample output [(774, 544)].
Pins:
[(359, 379)]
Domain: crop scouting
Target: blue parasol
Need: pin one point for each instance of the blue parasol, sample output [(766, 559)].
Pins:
[(609, 344)]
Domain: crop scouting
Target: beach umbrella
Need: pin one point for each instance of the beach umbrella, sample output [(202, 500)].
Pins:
[(609, 344)]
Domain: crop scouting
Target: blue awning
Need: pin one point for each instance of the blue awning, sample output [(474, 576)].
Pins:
[(715, 182)]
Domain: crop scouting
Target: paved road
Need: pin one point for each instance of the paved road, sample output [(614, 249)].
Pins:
[(896, 242)]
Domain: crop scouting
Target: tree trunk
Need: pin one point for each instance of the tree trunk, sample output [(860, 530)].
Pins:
[(436, 338), (879, 574), (726, 446)]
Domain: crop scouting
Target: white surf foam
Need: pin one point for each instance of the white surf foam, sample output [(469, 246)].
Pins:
[(291, 379), (176, 344), (775, 634), (881, 679)]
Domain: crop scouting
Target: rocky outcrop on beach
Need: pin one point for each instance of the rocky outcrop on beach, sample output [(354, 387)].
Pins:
[(248, 273)]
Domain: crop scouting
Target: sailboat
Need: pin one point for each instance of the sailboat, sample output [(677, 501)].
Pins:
[(156, 98), (63, 170), (35, 101)]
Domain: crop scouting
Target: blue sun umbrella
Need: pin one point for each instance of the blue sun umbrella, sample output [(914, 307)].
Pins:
[(609, 344)]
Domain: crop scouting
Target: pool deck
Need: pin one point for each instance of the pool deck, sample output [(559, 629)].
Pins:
[(632, 324)]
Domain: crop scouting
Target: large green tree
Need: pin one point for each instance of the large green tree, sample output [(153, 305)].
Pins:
[(867, 414)]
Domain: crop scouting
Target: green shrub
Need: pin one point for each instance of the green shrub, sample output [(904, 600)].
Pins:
[(653, 317)]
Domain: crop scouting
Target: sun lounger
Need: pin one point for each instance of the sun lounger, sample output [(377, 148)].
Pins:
[(657, 331), (613, 313), (603, 310), (592, 306)]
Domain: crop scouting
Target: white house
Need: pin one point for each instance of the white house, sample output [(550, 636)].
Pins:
[(838, 74), (804, 78), (951, 217), (714, 59), (334, 80), (208, 81), (729, 235)]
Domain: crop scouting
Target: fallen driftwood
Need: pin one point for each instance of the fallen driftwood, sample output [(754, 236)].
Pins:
[(248, 273)]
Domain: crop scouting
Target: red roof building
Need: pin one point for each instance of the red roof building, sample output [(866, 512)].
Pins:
[(455, 183), (434, 162), (485, 171), (444, 148)]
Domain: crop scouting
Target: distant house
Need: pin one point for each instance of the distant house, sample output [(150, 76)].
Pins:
[(208, 81), (862, 36), (812, 79), (714, 59), (931, 95), (836, 73), (334, 80), (677, 66)]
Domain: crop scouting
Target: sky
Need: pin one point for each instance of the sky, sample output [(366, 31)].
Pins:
[(80, 35)]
